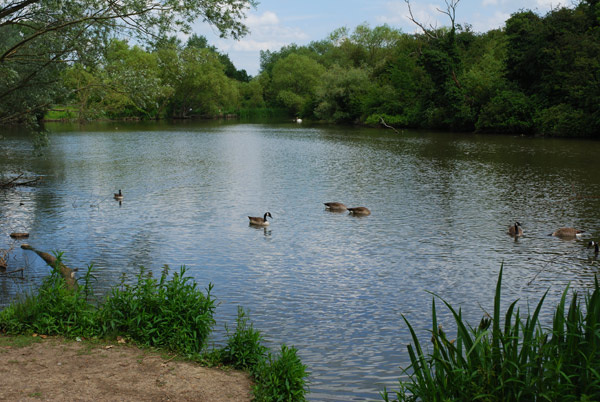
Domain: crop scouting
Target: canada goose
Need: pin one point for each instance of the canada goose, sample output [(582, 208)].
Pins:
[(596, 246), (359, 211), (567, 232), (119, 196), (515, 230), (335, 206), (257, 220)]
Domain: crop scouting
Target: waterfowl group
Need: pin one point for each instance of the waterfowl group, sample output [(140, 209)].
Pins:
[(331, 206), (339, 207), (258, 221), (565, 233)]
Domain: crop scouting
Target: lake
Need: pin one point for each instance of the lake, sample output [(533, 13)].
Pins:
[(333, 285)]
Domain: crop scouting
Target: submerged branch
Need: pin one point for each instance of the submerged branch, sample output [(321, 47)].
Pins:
[(388, 126), (14, 182), (67, 273)]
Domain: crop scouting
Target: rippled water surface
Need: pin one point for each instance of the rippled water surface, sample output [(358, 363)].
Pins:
[(333, 285)]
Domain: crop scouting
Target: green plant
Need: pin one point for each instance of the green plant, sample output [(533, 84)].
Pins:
[(171, 314), (54, 309), (281, 378), (510, 358), (244, 348)]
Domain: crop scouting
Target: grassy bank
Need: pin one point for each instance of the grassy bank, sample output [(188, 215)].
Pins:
[(510, 357), (170, 313)]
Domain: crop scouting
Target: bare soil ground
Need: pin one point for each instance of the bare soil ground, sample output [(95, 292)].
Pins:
[(54, 369)]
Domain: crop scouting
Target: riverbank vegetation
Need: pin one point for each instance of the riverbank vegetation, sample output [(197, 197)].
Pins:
[(169, 313), (538, 75), (510, 357)]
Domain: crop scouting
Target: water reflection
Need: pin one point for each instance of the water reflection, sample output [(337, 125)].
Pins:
[(333, 285)]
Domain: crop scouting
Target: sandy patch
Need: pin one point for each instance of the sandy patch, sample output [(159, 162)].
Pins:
[(55, 369)]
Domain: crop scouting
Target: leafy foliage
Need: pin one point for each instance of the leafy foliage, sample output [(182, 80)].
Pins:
[(171, 314), (53, 310), (510, 357), (244, 348), (39, 39), (280, 378)]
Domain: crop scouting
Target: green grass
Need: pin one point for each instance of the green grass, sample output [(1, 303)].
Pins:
[(18, 341), (510, 357), (62, 113), (169, 313)]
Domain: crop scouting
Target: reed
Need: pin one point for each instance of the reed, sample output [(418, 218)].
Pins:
[(509, 357)]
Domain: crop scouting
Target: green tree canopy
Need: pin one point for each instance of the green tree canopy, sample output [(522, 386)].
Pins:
[(39, 38)]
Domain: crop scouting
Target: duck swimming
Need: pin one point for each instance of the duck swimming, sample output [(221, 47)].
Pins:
[(364, 211), (258, 221), (515, 230), (335, 206), (567, 232)]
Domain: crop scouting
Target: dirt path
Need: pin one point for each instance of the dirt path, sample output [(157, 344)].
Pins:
[(53, 369)]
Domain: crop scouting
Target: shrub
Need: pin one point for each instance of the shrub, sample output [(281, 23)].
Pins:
[(171, 314), (281, 378), (507, 112), (53, 310), (244, 349), (563, 120)]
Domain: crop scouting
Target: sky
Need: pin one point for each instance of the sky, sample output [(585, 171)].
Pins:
[(276, 23)]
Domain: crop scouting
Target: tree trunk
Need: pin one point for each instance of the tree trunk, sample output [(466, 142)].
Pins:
[(67, 273)]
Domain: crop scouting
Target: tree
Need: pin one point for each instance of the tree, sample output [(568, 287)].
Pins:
[(41, 38), (376, 41), (340, 94), (294, 80), (200, 85)]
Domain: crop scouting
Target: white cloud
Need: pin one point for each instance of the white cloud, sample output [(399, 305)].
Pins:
[(486, 23), (267, 32), (486, 3), (267, 18)]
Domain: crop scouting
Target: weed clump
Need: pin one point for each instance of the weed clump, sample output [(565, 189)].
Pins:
[(281, 377), (171, 314)]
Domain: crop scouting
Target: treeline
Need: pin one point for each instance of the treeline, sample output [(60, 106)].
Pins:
[(167, 80), (538, 75)]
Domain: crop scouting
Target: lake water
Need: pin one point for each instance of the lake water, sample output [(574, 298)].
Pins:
[(333, 285)]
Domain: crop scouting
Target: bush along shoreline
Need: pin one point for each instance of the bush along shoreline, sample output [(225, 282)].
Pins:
[(166, 313), (510, 357)]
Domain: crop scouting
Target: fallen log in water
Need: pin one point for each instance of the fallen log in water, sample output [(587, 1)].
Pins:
[(65, 271)]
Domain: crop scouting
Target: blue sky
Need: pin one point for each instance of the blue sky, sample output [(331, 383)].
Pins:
[(275, 23)]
